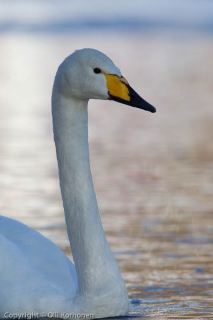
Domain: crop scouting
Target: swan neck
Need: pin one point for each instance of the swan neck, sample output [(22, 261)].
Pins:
[(96, 268)]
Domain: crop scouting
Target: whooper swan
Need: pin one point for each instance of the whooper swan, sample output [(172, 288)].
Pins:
[(35, 276)]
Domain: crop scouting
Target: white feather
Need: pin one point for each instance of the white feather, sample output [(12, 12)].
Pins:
[(35, 276)]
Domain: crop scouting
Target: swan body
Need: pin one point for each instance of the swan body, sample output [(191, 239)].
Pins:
[(35, 276)]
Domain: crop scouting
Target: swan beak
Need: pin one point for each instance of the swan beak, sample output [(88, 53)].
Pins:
[(119, 90)]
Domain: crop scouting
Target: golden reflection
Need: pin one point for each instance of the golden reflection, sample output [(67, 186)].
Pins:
[(153, 176)]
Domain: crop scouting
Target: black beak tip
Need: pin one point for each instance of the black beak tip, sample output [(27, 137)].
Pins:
[(152, 109), (146, 106)]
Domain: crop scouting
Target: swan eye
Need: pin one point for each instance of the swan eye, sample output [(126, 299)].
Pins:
[(97, 70)]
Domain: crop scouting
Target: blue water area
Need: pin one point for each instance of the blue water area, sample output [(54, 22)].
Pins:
[(135, 25), (198, 270), (51, 16)]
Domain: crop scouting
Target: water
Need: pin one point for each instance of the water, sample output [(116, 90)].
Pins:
[(153, 173), (49, 16)]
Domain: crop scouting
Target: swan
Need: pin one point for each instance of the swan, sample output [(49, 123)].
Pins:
[(35, 276)]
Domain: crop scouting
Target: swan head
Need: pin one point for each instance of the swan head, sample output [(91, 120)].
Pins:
[(89, 74)]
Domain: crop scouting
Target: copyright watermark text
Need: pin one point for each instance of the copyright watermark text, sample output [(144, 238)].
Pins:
[(51, 315)]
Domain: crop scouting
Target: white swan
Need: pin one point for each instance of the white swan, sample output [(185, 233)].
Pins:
[(35, 276)]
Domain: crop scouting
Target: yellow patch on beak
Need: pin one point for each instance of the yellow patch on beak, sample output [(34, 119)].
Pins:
[(117, 86)]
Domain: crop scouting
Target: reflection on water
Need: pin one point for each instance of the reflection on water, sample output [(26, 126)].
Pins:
[(176, 274), (153, 173)]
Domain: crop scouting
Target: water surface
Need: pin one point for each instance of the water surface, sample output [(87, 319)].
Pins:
[(152, 173)]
